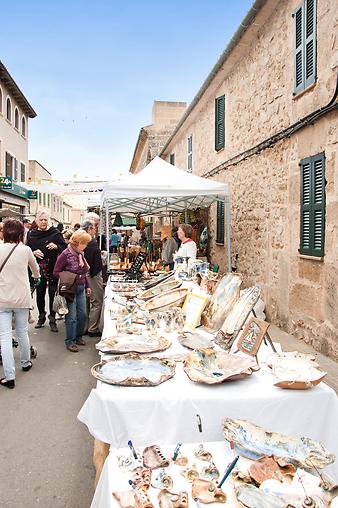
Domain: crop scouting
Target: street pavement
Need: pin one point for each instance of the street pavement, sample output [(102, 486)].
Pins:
[(45, 452)]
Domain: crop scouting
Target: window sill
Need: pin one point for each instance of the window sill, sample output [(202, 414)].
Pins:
[(312, 258), (220, 150), (8, 121), (220, 244), (305, 91)]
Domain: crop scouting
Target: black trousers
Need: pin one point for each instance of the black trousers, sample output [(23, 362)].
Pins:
[(41, 297)]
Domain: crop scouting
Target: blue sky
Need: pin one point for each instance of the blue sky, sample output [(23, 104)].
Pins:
[(92, 70)]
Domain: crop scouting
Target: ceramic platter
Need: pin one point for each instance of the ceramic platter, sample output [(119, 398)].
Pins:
[(126, 343), (154, 281), (134, 370), (159, 289), (164, 301), (194, 341), (214, 367)]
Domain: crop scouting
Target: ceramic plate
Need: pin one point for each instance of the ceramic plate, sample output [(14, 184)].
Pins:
[(126, 343), (134, 370)]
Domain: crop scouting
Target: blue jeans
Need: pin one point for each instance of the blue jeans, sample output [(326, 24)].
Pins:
[(6, 335), (76, 317)]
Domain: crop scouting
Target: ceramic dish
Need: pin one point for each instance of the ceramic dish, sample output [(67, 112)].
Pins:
[(164, 301), (295, 371), (154, 281), (159, 289), (214, 367), (132, 369), (194, 341), (126, 343)]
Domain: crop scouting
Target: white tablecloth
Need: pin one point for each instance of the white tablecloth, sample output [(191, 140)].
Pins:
[(166, 414), (112, 479)]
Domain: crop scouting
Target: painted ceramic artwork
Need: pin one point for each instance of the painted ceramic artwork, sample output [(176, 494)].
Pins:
[(226, 293), (295, 371), (194, 341), (133, 344), (168, 499), (214, 367), (237, 317), (134, 370), (254, 442)]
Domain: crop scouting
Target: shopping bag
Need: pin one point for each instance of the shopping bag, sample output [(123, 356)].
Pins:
[(60, 305)]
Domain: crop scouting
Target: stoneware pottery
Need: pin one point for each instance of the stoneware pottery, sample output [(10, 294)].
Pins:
[(159, 289), (125, 498), (194, 341), (203, 454), (168, 499), (128, 462), (162, 480), (295, 371), (142, 478), (271, 467), (173, 298), (254, 442), (153, 457), (133, 344), (134, 370), (215, 367), (207, 492), (154, 281), (210, 472)]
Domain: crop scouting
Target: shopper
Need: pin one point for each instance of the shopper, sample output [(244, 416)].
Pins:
[(46, 243), (1, 232), (93, 217), (93, 257), (114, 241), (72, 260), (188, 248), (27, 225), (169, 247), (15, 297)]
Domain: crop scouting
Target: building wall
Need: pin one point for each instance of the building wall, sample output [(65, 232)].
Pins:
[(300, 294), (37, 172), (11, 139)]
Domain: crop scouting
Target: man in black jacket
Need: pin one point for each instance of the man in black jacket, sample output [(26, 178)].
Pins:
[(92, 254), (46, 243)]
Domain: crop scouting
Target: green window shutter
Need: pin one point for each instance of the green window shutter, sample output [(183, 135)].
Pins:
[(312, 219), (172, 159), (310, 42), (299, 56), (220, 222), (219, 122)]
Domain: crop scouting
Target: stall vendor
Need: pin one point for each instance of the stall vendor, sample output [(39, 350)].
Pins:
[(188, 248)]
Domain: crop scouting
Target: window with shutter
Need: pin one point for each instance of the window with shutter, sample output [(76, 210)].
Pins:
[(305, 45), (220, 222), (312, 206), (219, 122), (172, 159)]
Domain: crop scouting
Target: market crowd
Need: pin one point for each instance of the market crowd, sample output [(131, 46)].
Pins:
[(68, 265)]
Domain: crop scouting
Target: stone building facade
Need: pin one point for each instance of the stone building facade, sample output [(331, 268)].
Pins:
[(270, 127), (152, 138)]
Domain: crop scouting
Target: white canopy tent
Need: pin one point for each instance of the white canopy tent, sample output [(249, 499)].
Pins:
[(161, 188)]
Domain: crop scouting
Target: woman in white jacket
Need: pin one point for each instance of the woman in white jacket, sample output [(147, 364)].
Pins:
[(15, 297)]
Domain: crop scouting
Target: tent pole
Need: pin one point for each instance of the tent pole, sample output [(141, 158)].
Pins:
[(100, 228), (227, 208), (107, 236), (186, 214)]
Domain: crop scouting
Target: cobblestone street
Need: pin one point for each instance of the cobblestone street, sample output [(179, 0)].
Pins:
[(46, 453)]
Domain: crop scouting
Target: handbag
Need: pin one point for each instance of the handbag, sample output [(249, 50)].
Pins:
[(7, 257), (67, 285)]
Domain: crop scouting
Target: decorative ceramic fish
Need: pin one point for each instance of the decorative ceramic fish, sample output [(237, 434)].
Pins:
[(254, 442)]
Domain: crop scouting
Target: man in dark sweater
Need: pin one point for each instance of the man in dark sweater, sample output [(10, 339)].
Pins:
[(46, 243), (92, 254)]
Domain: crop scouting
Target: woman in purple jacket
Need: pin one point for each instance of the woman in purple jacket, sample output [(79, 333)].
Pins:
[(72, 260)]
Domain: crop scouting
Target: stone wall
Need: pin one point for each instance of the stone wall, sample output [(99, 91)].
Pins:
[(300, 294)]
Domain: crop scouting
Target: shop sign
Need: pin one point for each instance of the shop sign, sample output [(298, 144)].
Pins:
[(32, 194), (6, 183)]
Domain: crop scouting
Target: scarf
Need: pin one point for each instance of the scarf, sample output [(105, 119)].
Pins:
[(76, 252)]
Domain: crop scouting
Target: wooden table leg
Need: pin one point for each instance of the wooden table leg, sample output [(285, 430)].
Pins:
[(101, 451)]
